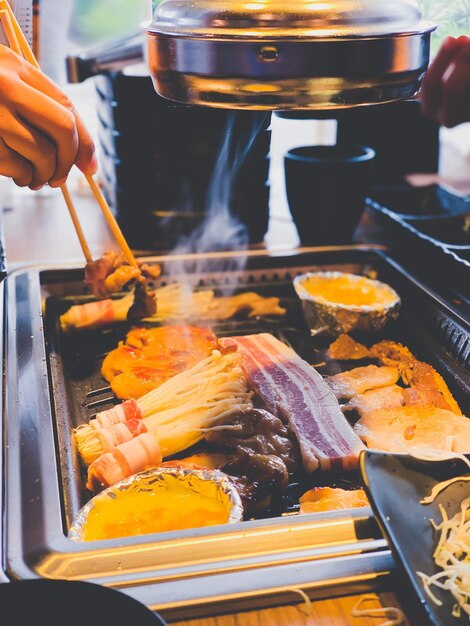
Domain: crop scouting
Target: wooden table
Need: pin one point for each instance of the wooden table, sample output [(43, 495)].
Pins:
[(37, 230)]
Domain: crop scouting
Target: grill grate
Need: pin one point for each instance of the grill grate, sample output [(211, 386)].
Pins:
[(79, 357)]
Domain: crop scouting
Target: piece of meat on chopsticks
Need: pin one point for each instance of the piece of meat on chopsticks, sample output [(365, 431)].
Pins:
[(295, 392), (149, 356), (403, 428), (112, 271), (360, 379), (144, 304)]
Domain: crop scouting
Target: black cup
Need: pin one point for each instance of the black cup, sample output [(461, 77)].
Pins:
[(326, 187)]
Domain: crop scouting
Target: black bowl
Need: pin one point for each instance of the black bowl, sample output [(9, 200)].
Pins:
[(72, 603), (326, 187)]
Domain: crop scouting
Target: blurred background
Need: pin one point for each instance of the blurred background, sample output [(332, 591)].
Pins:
[(67, 27), (90, 22)]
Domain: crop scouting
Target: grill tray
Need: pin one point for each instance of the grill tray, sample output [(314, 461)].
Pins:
[(53, 384)]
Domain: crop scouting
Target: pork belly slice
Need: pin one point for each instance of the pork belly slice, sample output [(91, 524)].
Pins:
[(295, 392), (408, 427), (390, 397), (360, 379)]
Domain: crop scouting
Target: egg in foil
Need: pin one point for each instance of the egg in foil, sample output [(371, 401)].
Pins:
[(338, 302), (159, 500)]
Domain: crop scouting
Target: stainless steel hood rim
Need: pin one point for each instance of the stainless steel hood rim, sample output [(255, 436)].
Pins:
[(278, 54), (287, 74), (282, 58), (423, 28)]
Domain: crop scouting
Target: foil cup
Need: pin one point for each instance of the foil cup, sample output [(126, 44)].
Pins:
[(211, 483), (332, 318)]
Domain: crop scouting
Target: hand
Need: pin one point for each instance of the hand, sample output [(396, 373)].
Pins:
[(445, 90), (41, 134)]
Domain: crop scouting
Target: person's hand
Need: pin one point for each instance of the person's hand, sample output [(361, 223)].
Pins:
[(445, 90), (41, 133)]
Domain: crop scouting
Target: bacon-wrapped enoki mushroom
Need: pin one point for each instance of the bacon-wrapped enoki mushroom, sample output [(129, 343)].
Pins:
[(177, 415), (175, 302), (128, 458)]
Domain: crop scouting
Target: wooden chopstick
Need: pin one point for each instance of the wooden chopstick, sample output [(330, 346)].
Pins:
[(76, 222), (13, 32), (111, 221), (19, 35), (19, 44), (9, 31)]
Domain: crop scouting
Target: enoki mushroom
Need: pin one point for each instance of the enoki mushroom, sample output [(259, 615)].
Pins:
[(394, 616)]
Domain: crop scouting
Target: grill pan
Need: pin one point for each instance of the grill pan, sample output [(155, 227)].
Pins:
[(53, 384)]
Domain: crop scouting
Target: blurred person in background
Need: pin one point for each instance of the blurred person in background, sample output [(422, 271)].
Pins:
[(445, 90)]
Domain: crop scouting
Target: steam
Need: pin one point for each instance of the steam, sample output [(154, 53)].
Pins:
[(221, 229)]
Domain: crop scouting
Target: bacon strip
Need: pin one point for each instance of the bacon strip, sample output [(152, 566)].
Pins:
[(113, 436), (126, 459), (294, 391), (123, 412)]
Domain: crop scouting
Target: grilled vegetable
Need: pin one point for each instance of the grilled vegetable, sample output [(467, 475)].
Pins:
[(178, 412)]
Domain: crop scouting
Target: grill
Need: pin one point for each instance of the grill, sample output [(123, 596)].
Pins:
[(53, 384)]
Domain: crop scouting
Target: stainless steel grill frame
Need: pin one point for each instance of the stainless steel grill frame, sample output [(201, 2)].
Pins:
[(200, 571)]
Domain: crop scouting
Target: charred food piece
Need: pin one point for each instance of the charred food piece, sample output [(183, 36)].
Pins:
[(144, 305), (345, 348), (259, 478), (258, 432)]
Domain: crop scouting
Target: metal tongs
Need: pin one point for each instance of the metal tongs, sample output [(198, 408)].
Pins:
[(19, 44)]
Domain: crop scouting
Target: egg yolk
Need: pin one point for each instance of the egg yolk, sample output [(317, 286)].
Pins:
[(142, 512), (343, 290)]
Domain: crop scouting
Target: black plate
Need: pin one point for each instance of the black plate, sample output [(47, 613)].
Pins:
[(72, 603), (395, 484)]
